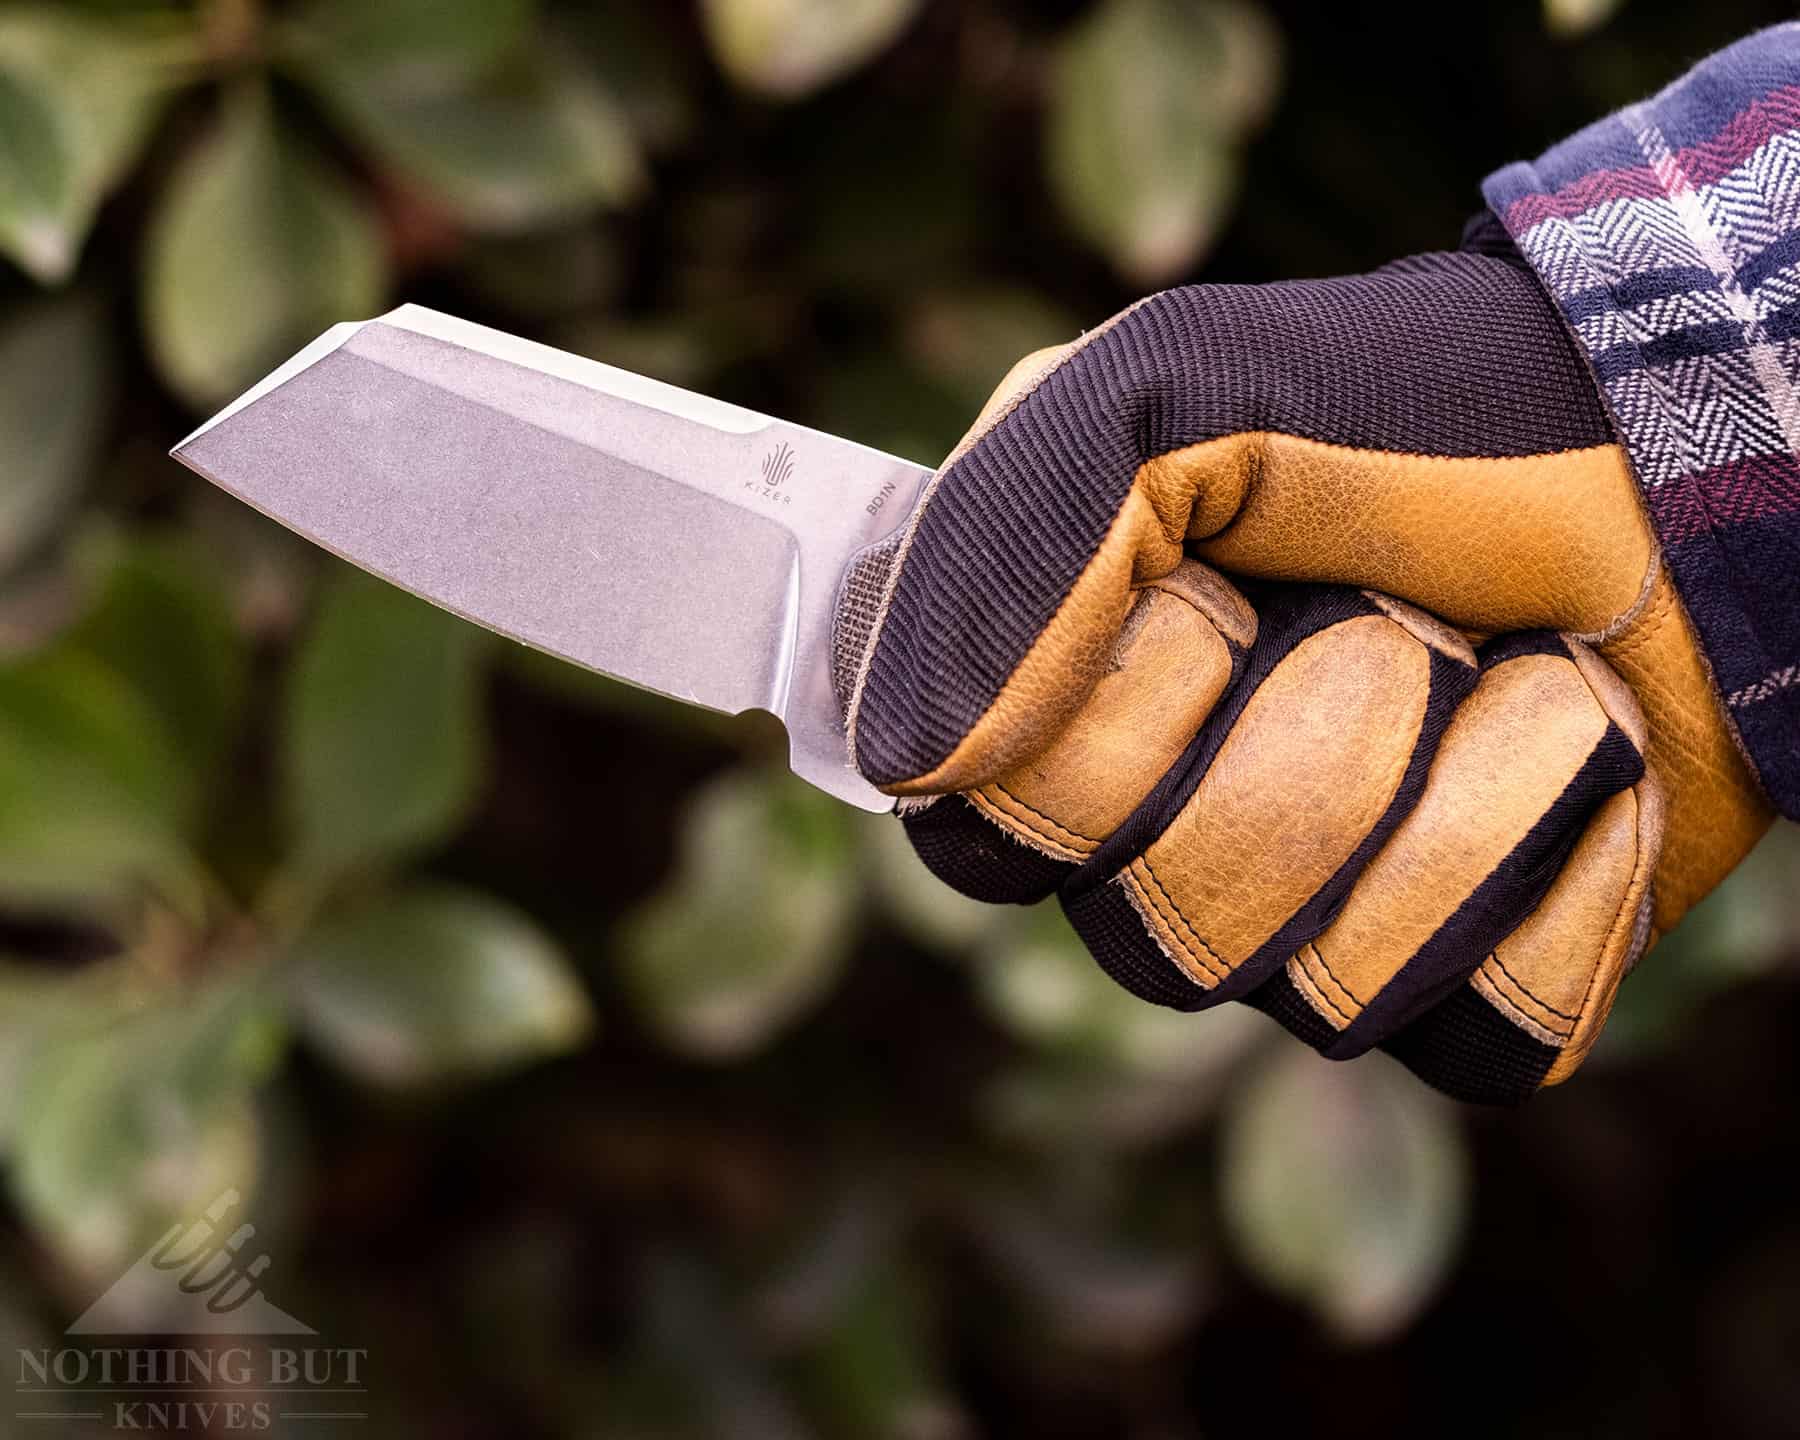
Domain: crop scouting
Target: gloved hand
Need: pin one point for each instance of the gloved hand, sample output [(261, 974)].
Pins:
[(1309, 794)]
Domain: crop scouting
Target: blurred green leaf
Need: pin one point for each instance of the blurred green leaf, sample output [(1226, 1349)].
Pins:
[(256, 248), (788, 48), (419, 42), (435, 984), (875, 1374), (876, 398), (696, 1377), (920, 904), (1039, 980), (628, 44), (55, 379), (855, 1321), (897, 228), (128, 1120), (37, 1003), (682, 350), (33, 180), (1094, 1290), (94, 796), (78, 97), (753, 927), (384, 739), (525, 140), (109, 739), (161, 623), (814, 1277), (1150, 101), (1057, 1101), (1344, 1187), (542, 274)]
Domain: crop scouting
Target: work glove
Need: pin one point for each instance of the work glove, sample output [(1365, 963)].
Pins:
[(1449, 837)]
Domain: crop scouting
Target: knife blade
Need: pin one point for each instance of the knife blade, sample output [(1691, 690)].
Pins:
[(658, 536)]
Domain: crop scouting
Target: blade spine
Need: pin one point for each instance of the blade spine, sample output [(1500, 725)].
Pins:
[(316, 351), (439, 320), (668, 473)]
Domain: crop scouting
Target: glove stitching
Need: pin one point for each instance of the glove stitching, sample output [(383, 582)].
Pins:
[(1022, 831), (1644, 630), (1170, 921), (1637, 869), (1157, 928), (1525, 990), (1314, 992), (1634, 612), (984, 797), (1048, 819), (1390, 784), (1177, 918), (1205, 614), (1647, 629), (1530, 1024), (1168, 943), (1319, 955)]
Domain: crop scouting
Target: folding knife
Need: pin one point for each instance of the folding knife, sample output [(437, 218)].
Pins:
[(660, 537)]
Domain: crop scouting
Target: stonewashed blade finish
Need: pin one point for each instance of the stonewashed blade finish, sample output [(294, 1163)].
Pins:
[(681, 544)]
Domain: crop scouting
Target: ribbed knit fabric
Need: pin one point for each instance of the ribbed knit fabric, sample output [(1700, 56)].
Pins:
[(1669, 234), (1466, 1048), (970, 853), (1450, 354)]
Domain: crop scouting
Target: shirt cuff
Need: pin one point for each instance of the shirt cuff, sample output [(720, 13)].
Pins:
[(1669, 234)]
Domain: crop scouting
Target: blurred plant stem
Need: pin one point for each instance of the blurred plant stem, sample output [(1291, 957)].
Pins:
[(233, 32), (288, 904)]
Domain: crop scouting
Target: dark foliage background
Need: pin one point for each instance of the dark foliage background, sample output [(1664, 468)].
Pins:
[(595, 1076)]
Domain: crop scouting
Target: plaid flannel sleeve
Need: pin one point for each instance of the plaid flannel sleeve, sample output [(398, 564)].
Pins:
[(1669, 234)]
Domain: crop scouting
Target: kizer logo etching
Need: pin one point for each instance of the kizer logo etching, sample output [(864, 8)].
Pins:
[(777, 470), (778, 465)]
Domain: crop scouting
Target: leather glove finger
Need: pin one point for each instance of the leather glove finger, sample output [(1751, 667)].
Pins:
[(1532, 1010), (1483, 944), (1477, 857), (1248, 845), (1017, 837)]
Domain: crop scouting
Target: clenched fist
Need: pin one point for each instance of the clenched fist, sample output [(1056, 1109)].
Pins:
[(1310, 643)]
